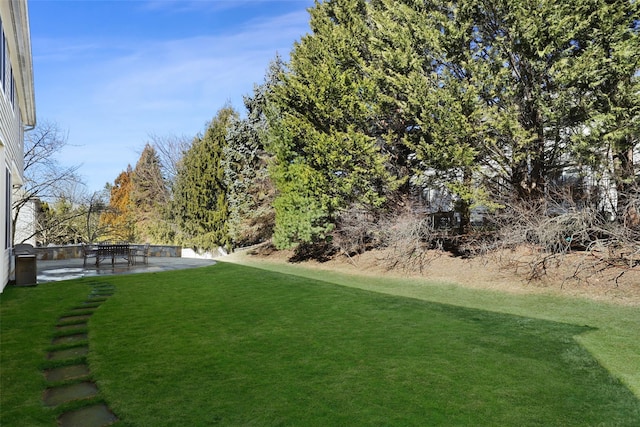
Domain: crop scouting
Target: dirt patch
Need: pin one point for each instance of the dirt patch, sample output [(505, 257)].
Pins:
[(574, 275)]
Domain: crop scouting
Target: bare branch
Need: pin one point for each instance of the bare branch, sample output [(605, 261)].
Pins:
[(170, 149), (44, 178)]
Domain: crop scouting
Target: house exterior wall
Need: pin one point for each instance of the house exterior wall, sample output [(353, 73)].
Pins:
[(17, 112), (593, 189), (25, 231)]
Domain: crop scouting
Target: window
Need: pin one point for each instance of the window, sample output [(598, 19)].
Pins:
[(12, 90), (7, 85), (7, 226), (3, 55)]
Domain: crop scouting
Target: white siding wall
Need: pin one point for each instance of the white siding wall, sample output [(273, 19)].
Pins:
[(11, 134), (4, 253), (12, 159), (17, 108), (26, 224)]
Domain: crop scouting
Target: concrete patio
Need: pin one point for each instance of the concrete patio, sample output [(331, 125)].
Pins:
[(50, 271)]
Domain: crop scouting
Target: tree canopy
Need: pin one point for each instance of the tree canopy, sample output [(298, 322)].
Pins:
[(387, 105), (200, 195), (492, 100), (326, 157), (120, 220), (149, 196)]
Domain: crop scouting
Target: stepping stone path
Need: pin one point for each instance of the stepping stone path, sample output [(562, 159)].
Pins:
[(68, 378)]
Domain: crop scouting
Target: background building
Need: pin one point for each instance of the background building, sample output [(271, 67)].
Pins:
[(17, 114)]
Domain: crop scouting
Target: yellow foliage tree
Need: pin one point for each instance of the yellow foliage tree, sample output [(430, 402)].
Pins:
[(119, 219)]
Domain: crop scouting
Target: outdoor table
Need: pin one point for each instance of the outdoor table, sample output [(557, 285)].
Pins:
[(113, 251)]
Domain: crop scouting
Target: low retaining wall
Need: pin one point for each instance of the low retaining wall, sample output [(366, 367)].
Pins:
[(75, 251), (190, 253)]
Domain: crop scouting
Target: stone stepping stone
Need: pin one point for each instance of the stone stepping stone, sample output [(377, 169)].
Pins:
[(76, 313), (96, 415), (72, 326), (91, 416), (66, 373), (70, 353), (69, 319), (68, 339), (88, 305), (82, 310), (57, 395)]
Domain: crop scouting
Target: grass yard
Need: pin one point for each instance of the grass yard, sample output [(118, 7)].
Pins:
[(236, 345), (27, 319)]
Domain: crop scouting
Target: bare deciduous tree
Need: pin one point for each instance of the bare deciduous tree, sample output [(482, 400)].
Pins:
[(170, 149), (44, 177)]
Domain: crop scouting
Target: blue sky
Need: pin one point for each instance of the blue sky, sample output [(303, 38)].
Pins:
[(111, 73)]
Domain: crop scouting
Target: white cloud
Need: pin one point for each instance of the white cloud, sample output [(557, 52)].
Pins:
[(197, 69), (112, 93)]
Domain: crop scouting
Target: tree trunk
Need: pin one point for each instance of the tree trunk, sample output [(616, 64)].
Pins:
[(528, 174), (464, 206), (626, 183)]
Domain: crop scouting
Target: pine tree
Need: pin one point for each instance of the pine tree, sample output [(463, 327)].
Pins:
[(250, 190), (149, 196), (320, 116), (492, 99), (603, 67), (429, 96), (499, 96), (200, 199)]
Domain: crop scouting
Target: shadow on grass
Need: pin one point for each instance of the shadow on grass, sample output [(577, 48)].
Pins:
[(243, 345)]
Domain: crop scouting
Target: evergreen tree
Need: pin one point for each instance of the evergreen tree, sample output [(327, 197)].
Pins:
[(200, 199), (603, 67), (419, 52), (545, 69), (250, 190), (149, 196), (320, 119), (496, 95)]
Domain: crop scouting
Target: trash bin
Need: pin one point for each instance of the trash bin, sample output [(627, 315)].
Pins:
[(26, 269)]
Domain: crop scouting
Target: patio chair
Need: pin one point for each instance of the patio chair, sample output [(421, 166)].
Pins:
[(89, 251), (140, 251)]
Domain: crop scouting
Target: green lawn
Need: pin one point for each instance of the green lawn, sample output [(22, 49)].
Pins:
[(235, 345), (614, 339), (27, 319)]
